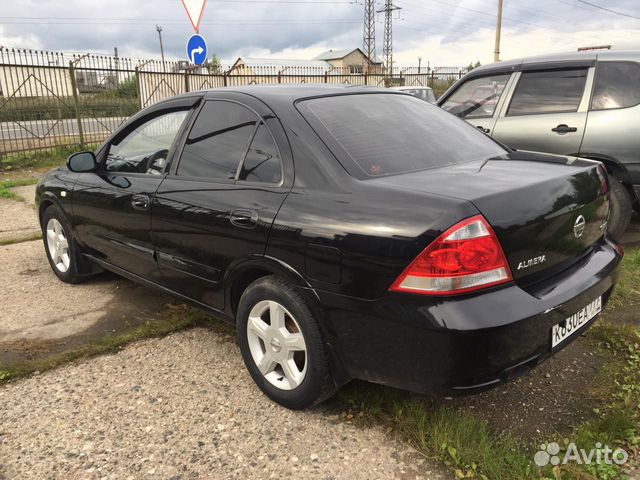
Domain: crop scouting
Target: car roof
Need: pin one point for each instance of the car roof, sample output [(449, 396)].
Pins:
[(557, 58), (278, 94), (410, 87)]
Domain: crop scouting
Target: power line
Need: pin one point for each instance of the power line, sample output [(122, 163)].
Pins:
[(135, 22), (608, 9), (487, 14)]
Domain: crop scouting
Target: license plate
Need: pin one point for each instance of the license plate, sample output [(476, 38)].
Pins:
[(563, 330)]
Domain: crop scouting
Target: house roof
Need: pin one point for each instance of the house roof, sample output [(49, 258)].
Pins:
[(282, 63), (335, 54)]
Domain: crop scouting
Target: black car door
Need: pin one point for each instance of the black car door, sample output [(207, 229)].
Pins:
[(217, 204), (112, 206)]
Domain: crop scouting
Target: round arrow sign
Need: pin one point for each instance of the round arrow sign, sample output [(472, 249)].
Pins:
[(197, 49)]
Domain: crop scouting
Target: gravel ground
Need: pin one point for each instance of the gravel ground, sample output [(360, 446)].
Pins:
[(18, 219), (40, 314), (180, 407)]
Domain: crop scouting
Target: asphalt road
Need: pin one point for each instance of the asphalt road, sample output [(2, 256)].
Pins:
[(42, 128)]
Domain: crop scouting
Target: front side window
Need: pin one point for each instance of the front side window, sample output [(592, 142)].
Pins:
[(550, 91), (477, 98), (146, 148), (386, 134), (617, 85), (218, 141)]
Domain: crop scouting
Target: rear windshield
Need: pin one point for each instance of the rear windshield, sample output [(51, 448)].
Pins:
[(387, 134)]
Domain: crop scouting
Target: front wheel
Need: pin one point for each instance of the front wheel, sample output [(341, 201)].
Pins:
[(59, 245), (282, 345), (621, 208)]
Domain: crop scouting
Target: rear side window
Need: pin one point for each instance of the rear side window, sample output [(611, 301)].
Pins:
[(218, 141), (617, 85), (386, 134), (477, 98), (551, 91), (262, 163)]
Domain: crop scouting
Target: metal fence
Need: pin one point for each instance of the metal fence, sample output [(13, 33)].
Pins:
[(53, 99)]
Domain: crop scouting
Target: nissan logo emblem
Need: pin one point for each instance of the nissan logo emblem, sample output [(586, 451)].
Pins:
[(578, 227)]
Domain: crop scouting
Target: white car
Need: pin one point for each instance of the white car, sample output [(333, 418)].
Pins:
[(424, 93)]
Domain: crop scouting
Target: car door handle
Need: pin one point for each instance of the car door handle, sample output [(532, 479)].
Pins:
[(140, 202), (244, 218), (564, 128), (482, 129)]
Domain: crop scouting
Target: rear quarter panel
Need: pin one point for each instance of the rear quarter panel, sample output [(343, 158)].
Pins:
[(357, 243), (614, 134)]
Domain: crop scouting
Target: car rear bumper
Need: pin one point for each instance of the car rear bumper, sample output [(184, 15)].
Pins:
[(467, 343)]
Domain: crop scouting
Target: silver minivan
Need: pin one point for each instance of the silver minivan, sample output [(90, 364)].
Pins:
[(577, 104)]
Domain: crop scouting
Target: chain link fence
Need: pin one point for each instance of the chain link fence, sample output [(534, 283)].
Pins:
[(60, 100)]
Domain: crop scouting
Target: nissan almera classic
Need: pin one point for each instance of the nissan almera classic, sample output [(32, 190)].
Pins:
[(346, 233)]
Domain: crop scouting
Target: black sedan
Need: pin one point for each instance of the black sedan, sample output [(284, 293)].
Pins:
[(346, 233)]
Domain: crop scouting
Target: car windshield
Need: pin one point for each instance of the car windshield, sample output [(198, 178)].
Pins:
[(387, 134)]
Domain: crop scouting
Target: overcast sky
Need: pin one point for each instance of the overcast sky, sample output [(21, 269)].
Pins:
[(442, 32)]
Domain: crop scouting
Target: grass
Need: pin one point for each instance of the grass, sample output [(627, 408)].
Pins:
[(24, 238), (54, 157), (178, 318), (627, 292), (466, 445), (6, 187), (458, 439)]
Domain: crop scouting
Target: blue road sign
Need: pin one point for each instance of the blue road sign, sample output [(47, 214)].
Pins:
[(197, 49)]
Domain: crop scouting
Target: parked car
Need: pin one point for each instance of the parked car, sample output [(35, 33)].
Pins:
[(346, 233), (583, 104), (425, 93)]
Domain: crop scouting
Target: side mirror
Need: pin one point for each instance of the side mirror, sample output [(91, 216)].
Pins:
[(82, 162)]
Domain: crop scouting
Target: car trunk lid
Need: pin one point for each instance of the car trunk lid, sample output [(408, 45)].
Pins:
[(547, 211)]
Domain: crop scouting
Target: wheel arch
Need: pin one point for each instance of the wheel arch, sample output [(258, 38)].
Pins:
[(613, 166), (246, 271), (616, 169), (46, 200)]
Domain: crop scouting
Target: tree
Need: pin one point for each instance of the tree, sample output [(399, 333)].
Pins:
[(214, 66), (471, 66)]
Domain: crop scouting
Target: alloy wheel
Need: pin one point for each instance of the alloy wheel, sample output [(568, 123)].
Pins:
[(58, 245), (277, 345)]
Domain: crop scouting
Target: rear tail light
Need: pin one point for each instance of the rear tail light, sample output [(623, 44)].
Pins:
[(604, 180), (465, 258)]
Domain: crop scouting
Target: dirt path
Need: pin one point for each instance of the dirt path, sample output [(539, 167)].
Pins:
[(181, 407)]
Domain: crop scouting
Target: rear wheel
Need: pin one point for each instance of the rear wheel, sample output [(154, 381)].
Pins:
[(621, 208), (282, 345)]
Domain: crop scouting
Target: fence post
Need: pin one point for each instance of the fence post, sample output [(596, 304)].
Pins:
[(366, 79), (139, 87), (186, 81), (76, 102)]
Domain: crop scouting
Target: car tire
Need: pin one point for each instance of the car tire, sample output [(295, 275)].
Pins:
[(62, 251), (282, 345), (621, 208)]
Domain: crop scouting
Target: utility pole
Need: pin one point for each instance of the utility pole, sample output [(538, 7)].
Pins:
[(387, 48), (369, 37), (159, 29), (496, 52)]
